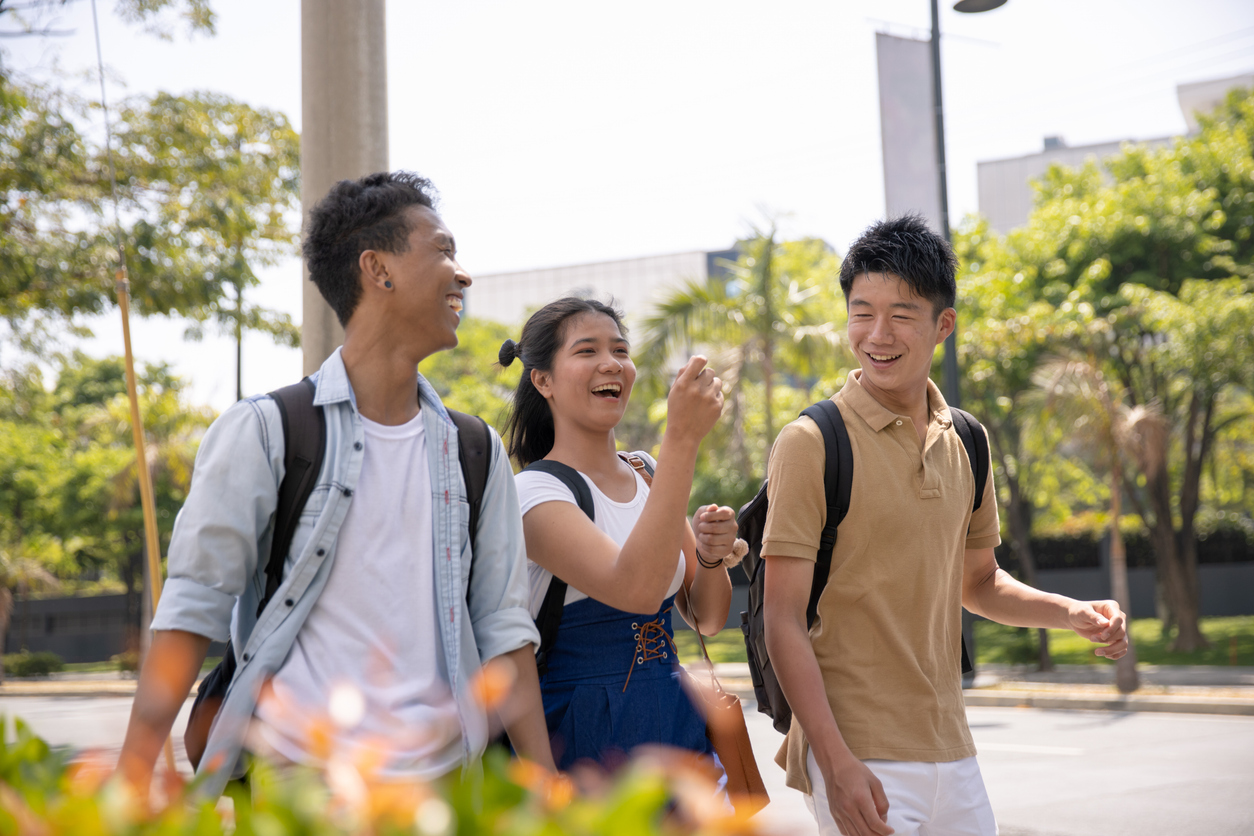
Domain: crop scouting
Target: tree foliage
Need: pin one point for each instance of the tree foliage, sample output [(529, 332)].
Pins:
[(157, 17), (469, 378), (772, 327), (1145, 263), (207, 186), (69, 496)]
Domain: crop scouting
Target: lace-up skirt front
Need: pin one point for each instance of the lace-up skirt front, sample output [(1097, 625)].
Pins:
[(613, 683)]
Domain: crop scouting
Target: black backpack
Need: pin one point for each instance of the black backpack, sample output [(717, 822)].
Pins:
[(838, 485), (550, 616), (305, 442)]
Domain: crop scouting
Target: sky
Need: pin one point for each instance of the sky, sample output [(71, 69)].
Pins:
[(568, 132)]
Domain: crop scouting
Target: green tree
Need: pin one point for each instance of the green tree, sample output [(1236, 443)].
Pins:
[(469, 378), (211, 183), (1001, 341), (100, 491), (772, 328), (1096, 416), (39, 17), (68, 492), (49, 266), (1159, 244), (207, 186)]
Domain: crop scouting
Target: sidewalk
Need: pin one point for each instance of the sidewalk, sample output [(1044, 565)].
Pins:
[(1195, 689), (103, 684), (1181, 689)]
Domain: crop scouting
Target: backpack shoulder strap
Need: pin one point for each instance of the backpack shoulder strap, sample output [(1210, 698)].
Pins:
[(474, 454), (975, 439), (572, 480), (550, 617), (304, 448), (837, 484)]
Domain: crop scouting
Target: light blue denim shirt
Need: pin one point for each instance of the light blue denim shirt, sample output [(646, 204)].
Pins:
[(216, 578)]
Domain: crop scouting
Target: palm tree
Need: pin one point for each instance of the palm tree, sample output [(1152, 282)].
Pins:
[(768, 312), (1097, 413)]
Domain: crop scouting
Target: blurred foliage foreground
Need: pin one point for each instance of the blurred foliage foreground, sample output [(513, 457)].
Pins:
[(47, 791)]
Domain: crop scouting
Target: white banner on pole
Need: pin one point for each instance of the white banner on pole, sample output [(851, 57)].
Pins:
[(908, 128)]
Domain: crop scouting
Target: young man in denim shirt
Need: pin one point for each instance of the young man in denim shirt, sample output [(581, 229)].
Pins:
[(378, 600)]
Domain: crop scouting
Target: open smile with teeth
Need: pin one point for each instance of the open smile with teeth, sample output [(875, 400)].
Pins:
[(882, 358), (608, 390), (454, 302)]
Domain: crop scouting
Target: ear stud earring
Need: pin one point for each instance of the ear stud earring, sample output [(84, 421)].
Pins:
[(388, 285)]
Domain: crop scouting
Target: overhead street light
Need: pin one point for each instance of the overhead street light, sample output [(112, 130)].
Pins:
[(975, 6), (949, 363)]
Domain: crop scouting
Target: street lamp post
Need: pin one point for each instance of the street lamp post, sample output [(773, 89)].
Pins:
[(949, 365), (950, 362)]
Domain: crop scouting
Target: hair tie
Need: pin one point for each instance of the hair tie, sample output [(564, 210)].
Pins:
[(509, 350)]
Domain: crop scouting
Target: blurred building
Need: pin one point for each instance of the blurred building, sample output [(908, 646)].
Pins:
[(634, 284), (1005, 191)]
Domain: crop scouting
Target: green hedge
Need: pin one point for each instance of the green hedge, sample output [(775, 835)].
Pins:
[(32, 664), (999, 644)]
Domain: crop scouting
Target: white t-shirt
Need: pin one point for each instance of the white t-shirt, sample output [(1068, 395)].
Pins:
[(369, 650), (616, 519)]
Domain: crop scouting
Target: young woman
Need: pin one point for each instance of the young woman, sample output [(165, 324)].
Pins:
[(610, 680)]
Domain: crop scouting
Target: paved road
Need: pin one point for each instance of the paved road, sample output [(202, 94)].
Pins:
[(1097, 773), (1049, 773)]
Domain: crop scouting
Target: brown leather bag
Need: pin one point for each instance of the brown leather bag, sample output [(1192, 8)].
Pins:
[(724, 715), (725, 726)]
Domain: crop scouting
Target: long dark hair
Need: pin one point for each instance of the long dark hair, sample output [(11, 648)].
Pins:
[(530, 424)]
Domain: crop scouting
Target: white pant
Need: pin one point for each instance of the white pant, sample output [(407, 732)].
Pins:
[(924, 799)]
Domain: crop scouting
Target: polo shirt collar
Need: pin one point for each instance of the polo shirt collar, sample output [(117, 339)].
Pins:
[(877, 416)]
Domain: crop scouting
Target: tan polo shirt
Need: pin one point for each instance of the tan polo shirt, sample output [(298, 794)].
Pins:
[(887, 635)]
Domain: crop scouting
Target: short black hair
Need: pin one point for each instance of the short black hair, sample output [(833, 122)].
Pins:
[(907, 248), (355, 216)]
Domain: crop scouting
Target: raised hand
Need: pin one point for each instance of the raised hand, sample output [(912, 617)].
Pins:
[(695, 401), (715, 528)]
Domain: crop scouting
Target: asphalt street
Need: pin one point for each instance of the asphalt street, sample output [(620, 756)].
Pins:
[(1049, 773)]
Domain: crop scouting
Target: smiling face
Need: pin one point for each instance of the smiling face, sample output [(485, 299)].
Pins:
[(592, 375), (894, 333), (427, 283)]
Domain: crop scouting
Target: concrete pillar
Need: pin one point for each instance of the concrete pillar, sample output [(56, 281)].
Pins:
[(344, 125)]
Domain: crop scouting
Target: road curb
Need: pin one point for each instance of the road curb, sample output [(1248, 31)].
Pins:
[(53, 688), (992, 698), (978, 697)]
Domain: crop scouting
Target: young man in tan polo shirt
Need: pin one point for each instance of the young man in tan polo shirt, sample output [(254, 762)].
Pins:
[(879, 739)]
